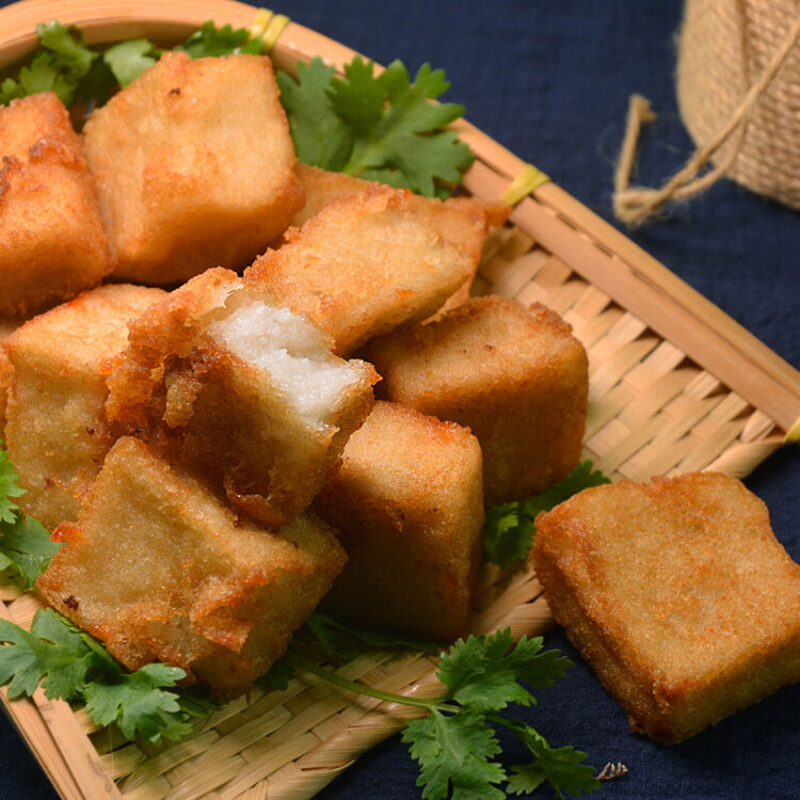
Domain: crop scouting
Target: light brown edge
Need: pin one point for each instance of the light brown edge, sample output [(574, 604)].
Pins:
[(637, 281)]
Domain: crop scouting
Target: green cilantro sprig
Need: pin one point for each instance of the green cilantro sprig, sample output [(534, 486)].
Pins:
[(381, 128), (509, 528), (65, 65), (455, 744), (25, 545), (71, 665)]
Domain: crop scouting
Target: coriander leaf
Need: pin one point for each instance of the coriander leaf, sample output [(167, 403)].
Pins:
[(59, 65), (212, 41), (74, 58), (508, 535), (584, 476), (128, 60), (9, 487), (51, 651), (25, 546), (359, 99), (326, 629), (138, 704), (320, 137), (454, 750), (403, 135), (562, 768), (509, 529), (279, 674), (483, 673)]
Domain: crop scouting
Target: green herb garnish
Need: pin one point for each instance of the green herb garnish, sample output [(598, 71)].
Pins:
[(455, 743), (381, 128), (509, 528), (25, 545), (71, 665)]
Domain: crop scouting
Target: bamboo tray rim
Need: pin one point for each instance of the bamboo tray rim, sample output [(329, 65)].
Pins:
[(741, 361)]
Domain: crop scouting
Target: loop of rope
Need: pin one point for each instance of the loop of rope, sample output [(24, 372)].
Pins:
[(634, 205)]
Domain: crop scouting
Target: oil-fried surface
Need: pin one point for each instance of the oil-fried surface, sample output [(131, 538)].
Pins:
[(159, 568), (461, 221), (193, 162), (199, 402), (678, 595), (408, 504), (516, 377), (52, 240), (57, 433), (362, 266)]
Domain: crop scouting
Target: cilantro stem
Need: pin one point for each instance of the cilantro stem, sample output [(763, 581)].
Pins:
[(300, 662)]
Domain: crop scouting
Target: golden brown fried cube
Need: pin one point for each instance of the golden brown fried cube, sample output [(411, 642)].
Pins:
[(159, 569), (52, 240), (677, 594), (247, 392), (516, 377), (462, 221), (408, 504), (57, 433), (7, 327), (365, 264), (193, 162)]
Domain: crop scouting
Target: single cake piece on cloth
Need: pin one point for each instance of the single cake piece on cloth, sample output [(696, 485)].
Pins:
[(159, 568), (678, 595), (516, 377), (52, 240)]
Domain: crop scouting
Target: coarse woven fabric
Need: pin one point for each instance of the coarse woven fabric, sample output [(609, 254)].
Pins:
[(551, 81)]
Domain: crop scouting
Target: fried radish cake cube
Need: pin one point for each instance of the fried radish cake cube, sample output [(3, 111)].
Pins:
[(462, 221), (246, 391), (52, 240), (193, 162), (677, 594), (7, 327), (57, 433), (159, 569), (408, 504), (516, 377), (362, 266)]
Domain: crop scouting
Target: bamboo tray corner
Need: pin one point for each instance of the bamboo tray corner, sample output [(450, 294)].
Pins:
[(675, 386)]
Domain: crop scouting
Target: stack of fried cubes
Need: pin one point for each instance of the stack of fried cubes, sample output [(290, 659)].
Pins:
[(211, 453)]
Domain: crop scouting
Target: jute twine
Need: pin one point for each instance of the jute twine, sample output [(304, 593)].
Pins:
[(739, 97)]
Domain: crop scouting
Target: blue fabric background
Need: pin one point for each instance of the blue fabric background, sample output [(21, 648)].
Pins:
[(551, 81)]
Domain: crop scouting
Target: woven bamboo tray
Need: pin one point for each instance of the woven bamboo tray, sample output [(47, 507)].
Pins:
[(676, 386)]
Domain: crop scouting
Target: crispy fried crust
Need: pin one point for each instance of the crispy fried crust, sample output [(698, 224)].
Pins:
[(462, 221), (677, 594), (362, 266), (57, 433), (52, 240), (516, 377), (7, 327), (408, 504), (198, 402), (193, 162), (160, 569)]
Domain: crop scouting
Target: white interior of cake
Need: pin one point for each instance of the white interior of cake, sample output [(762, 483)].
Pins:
[(292, 350)]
